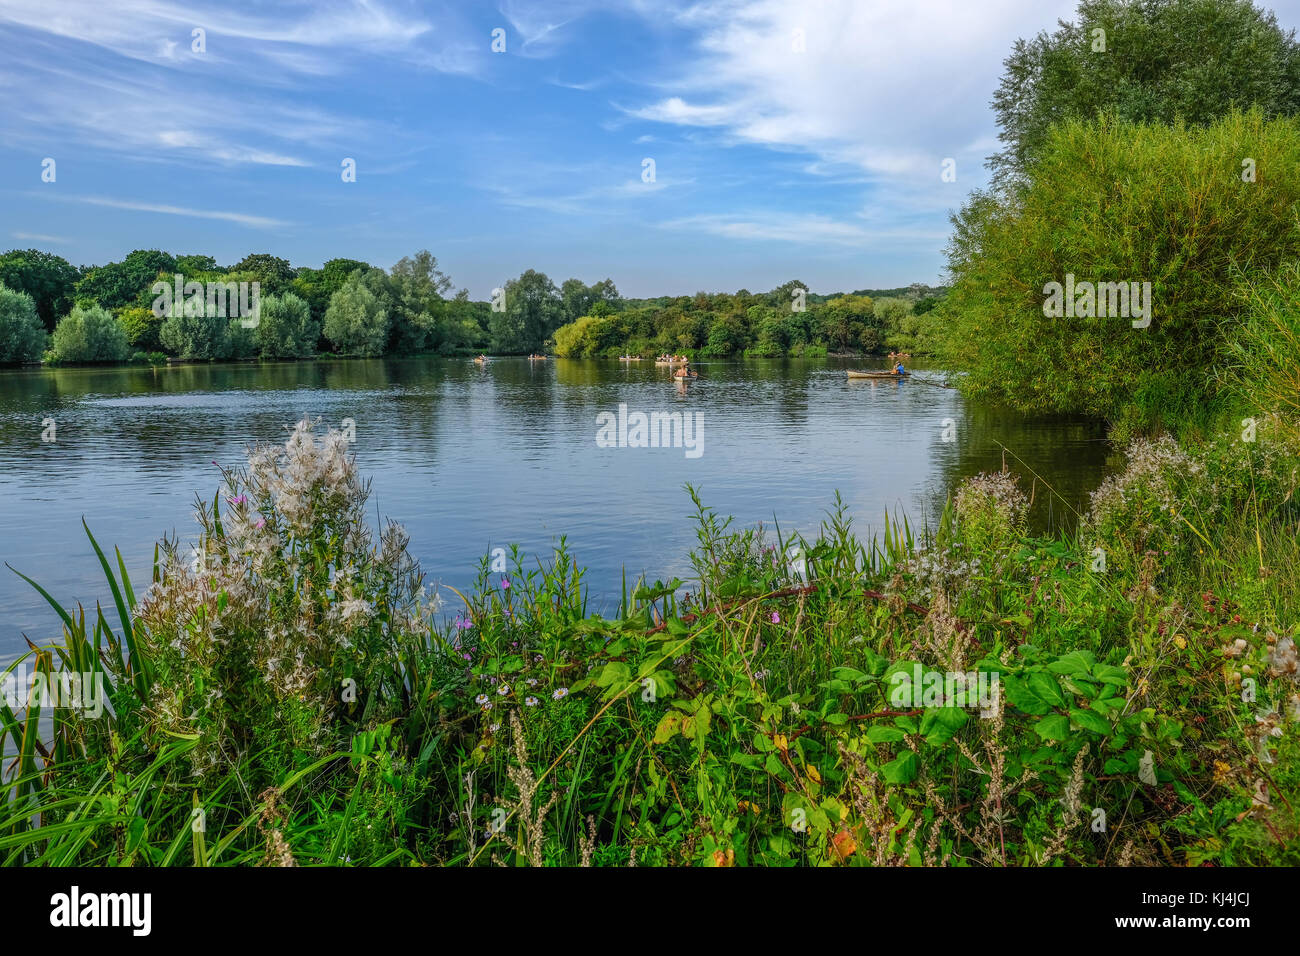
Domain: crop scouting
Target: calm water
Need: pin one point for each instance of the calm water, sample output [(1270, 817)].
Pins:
[(469, 458)]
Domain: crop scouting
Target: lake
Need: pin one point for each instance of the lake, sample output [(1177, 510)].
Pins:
[(469, 458)]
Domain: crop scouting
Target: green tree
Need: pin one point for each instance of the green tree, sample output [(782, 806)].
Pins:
[(417, 287), (49, 279), (200, 337), (22, 337), (1114, 202), (121, 283), (356, 322), (1162, 60), (89, 333), (533, 310), (142, 328), (273, 273), (285, 328)]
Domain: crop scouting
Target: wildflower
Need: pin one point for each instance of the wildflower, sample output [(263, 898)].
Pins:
[(493, 728), (530, 701), (237, 500), (505, 584), (481, 699), (503, 689), (487, 707), (560, 693), (468, 657), (531, 682), (776, 618)]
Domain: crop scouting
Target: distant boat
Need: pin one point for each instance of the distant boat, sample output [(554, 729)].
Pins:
[(629, 358), (856, 374), (481, 360), (537, 358)]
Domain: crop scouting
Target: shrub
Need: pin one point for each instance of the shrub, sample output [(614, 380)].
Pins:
[(141, 327), (254, 636), (285, 328), (89, 334), (1111, 201), (22, 337), (198, 336), (356, 321)]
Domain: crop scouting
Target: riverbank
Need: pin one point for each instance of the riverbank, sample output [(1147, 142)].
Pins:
[(291, 687)]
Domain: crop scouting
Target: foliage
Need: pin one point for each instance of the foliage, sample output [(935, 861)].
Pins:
[(285, 328), (22, 337), (121, 283), (285, 680), (47, 278), (1266, 348), (1115, 202), (89, 334), (142, 327), (533, 311), (356, 322), (1162, 61)]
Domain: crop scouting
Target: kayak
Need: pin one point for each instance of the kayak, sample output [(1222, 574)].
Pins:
[(855, 374)]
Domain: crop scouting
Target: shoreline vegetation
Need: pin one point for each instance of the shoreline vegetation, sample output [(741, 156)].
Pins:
[(287, 690), (54, 313)]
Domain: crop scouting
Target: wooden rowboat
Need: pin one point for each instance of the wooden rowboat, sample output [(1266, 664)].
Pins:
[(856, 374)]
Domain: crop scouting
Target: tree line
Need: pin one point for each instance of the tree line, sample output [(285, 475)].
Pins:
[(53, 311)]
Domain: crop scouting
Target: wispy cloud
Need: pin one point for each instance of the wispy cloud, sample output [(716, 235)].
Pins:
[(38, 237), (243, 219)]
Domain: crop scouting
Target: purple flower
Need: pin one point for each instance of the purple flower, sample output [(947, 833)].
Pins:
[(776, 618), (260, 524), (505, 583), (241, 499)]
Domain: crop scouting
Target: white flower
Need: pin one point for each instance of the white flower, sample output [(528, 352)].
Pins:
[(503, 689), (530, 701), (481, 699), (560, 693)]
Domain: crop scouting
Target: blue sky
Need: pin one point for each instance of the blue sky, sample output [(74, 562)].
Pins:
[(770, 163)]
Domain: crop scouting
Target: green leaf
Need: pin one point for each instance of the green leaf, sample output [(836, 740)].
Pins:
[(940, 723), (1053, 727), (1044, 686), (1089, 720), (669, 724), (902, 769), (884, 735)]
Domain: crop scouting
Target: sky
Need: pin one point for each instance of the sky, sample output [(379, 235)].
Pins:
[(671, 146)]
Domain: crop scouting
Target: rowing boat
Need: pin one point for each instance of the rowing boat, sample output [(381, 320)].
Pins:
[(855, 374)]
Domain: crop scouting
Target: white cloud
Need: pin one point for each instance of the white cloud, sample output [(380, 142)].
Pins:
[(243, 219), (37, 237), (890, 87), (805, 229)]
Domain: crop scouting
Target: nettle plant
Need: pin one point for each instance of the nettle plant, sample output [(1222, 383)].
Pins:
[(281, 628)]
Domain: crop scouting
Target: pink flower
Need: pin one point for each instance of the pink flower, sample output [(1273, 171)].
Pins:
[(776, 618)]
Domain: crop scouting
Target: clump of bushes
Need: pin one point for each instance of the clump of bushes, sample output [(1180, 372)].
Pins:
[(22, 336), (89, 333)]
